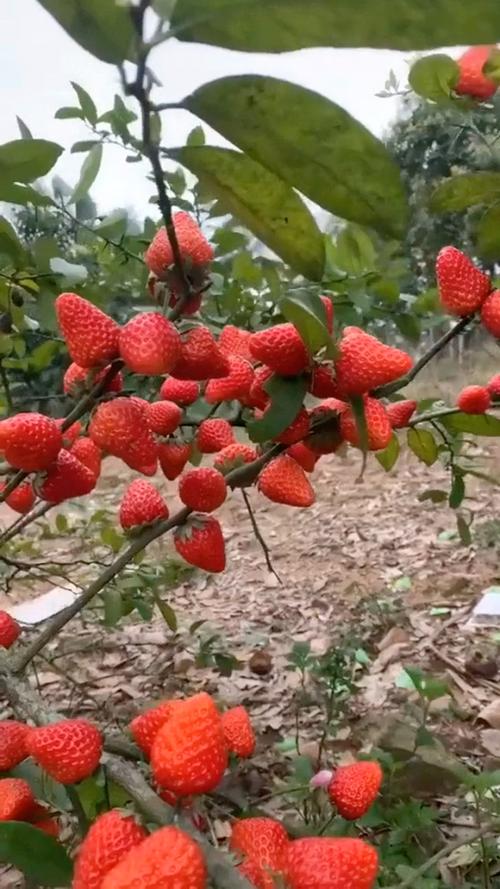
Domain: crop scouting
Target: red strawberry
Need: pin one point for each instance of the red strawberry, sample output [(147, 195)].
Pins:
[(377, 422), (163, 417), (201, 358), (238, 732), (297, 430), (87, 452), (233, 456), (400, 412), (70, 434), (91, 335), (200, 543), (257, 396), (264, 842), (326, 436), (280, 348), (189, 754), (16, 800), (109, 839), (234, 341), (493, 388), (149, 344), (323, 381), (366, 363), (141, 505), (254, 874), (354, 788), (50, 826), (22, 498), (183, 392), (462, 287), (80, 379), (68, 751), (235, 385), (303, 456), (167, 859), (119, 427), (173, 457), (194, 247), (284, 481), (203, 489), (328, 304), (474, 400), (146, 726), (13, 737), (473, 82), (30, 441), (9, 630), (331, 863), (213, 435), (490, 313), (66, 478)]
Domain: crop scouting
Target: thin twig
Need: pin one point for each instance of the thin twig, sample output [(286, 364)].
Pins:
[(23, 521), (443, 853), (258, 534)]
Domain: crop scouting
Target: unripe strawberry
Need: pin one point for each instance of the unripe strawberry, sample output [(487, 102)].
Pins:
[(331, 863), (303, 456), (200, 543), (16, 800), (119, 427), (68, 751), (400, 412), (264, 842), (203, 489), (78, 380), (365, 363), (213, 435), (182, 392), (378, 426), (493, 388), (66, 478), (490, 313), (150, 344), (109, 839), (173, 457), (167, 859), (189, 754), (194, 247), (91, 335), (22, 498), (281, 348), (13, 737), (234, 341), (141, 505), (238, 732), (473, 82), (235, 385), (200, 358), (463, 288), (474, 400), (9, 630), (284, 481), (233, 456), (30, 441), (163, 417), (86, 451), (355, 787), (146, 726)]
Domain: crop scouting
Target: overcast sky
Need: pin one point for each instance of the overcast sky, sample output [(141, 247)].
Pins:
[(40, 59)]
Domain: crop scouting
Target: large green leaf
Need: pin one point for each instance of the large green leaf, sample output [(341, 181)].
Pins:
[(287, 396), (24, 160), (40, 857), (475, 424), (88, 173), (14, 193), (433, 77), (468, 190), (263, 202), (281, 25), (311, 143), (103, 27)]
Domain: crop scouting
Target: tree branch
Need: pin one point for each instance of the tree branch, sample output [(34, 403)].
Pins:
[(257, 532), (23, 521)]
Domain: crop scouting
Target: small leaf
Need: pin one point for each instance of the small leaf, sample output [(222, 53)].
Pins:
[(308, 314), (423, 445), (40, 857), (113, 606), (408, 325), (434, 77), (388, 457), (23, 128), (457, 492), (424, 738), (86, 103), (475, 424), (167, 612), (61, 523), (196, 137), (287, 396), (432, 689), (110, 537), (468, 190), (88, 173), (434, 495), (68, 112), (24, 160), (84, 145), (464, 531)]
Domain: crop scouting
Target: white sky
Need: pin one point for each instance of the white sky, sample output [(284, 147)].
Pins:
[(39, 60)]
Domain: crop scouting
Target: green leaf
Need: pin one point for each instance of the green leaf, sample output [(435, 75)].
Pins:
[(13, 193), (434, 77), (40, 857), (103, 27), (475, 424), (167, 612), (113, 606), (457, 492), (308, 314), (423, 445), (388, 457), (423, 737), (110, 537), (463, 531), (23, 128), (263, 202), (10, 244), (309, 142), (61, 523), (468, 190), (86, 103), (196, 137), (488, 234), (26, 159), (88, 173), (68, 112), (354, 251), (285, 25), (434, 495), (287, 396), (408, 325), (84, 145)]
